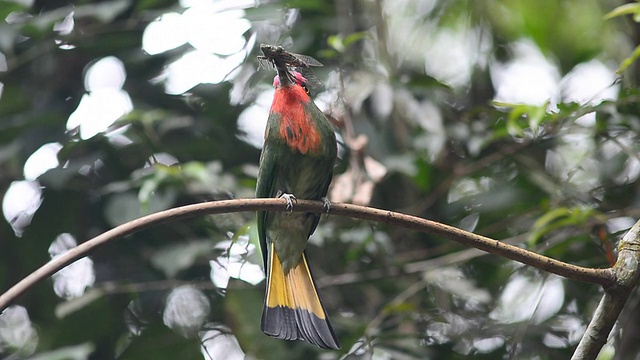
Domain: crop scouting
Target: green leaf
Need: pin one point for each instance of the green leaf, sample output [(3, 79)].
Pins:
[(75, 304), (73, 352), (544, 225), (558, 218), (396, 308), (336, 42), (340, 43), (629, 61), (355, 37), (177, 257), (536, 115), (195, 170), (626, 9), (513, 127)]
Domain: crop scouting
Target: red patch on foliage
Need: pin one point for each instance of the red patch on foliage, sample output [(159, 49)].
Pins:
[(297, 128)]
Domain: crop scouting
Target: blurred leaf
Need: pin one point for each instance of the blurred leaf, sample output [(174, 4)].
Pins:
[(340, 44), (629, 61), (354, 37), (77, 352), (124, 207), (306, 4), (567, 109), (161, 178), (244, 306), (251, 230), (104, 11), (626, 9), (175, 258), (423, 175), (545, 223), (421, 81), (10, 6), (74, 304), (558, 218), (336, 42), (152, 183), (536, 115), (398, 308), (157, 342), (513, 126)]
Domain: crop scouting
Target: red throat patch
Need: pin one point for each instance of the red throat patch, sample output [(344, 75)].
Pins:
[(297, 128)]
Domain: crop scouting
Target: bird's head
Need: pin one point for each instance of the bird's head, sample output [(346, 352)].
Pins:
[(297, 78)]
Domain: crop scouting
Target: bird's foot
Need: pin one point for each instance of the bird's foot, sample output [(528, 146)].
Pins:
[(290, 199), (326, 204)]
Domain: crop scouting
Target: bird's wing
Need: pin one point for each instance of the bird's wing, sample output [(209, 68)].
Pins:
[(265, 188)]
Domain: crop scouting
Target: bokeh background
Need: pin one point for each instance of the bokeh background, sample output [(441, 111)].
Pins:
[(514, 119)]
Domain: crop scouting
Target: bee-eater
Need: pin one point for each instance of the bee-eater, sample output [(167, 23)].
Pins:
[(297, 161)]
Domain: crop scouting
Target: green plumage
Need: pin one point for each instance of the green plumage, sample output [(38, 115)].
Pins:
[(297, 160), (283, 170)]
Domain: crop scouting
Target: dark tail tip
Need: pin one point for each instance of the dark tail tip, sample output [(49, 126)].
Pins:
[(298, 324)]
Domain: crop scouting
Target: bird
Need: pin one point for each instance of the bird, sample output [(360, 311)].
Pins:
[(296, 162)]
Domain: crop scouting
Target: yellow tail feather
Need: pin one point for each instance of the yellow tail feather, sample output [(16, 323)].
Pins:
[(278, 293), (303, 289), (294, 290), (292, 307)]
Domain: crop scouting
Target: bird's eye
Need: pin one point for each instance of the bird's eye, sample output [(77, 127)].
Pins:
[(306, 88)]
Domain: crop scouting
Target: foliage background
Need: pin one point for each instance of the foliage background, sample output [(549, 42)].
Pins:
[(505, 118)]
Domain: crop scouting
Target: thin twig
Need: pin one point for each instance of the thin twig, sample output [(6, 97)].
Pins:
[(374, 325), (603, 277)]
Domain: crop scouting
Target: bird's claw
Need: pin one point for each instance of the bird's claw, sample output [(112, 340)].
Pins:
[(289, 198), (326, 204)]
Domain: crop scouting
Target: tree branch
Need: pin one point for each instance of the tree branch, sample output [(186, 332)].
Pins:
[(627, 273), (603, 277)]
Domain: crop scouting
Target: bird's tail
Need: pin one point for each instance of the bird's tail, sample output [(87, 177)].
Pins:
[(292, 308)]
